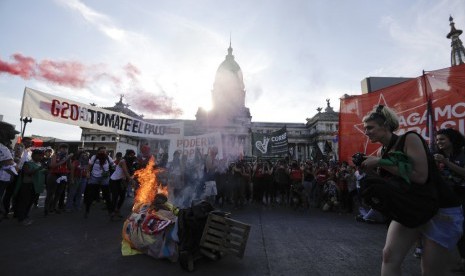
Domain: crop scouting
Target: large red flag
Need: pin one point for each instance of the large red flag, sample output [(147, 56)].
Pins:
[(444, 88)]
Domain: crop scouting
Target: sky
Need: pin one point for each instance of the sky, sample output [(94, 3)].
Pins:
[(163, 54)]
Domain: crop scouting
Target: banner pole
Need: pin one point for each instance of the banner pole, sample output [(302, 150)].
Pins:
[(25, 120)]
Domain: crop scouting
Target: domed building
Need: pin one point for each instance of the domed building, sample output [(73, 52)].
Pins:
[(232, 120), (228, 96)]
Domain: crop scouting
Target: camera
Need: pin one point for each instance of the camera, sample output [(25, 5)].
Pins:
[(358, 158)]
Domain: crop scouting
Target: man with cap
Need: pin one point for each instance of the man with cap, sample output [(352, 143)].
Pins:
[(7, 165)]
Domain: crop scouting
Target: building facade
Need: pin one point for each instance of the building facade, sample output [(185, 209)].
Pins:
[(230, 117)]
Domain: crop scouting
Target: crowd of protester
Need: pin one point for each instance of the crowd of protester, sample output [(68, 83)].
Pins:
[(69, 181), (239, 182), (74, 181)]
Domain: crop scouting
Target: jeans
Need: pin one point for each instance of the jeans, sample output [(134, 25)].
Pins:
[(8, 197), (54, 191), (94, 185), (3, 185), (24, 199), (76, 189), (118, 194)]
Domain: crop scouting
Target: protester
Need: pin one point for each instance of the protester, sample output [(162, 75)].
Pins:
[(45, 161), (238, 184), (78, 182), (281, 177), (118, 157), (444, 229), (175, 178), (98, 177), (27, 152), (259, 178), (247, 181), (118, 183), (321, 177), (31, 181), (22, 154), (351, 188), (211, 166), (308, 183), (60, 167), (296, 189), (358, 174), (8, 168), (451, 161), (330, 194), (145, 155)]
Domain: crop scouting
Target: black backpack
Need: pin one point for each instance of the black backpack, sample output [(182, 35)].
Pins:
[(410, 204)]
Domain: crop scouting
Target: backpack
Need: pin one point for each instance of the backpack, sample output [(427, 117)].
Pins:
[(111, 167), (410, 204)]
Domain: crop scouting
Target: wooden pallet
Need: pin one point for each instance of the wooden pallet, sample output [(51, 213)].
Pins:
[(225, 235)]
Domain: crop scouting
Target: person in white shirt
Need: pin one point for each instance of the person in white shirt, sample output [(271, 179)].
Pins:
[(8, 168), (118, 182), (98, 177), (27, 153)]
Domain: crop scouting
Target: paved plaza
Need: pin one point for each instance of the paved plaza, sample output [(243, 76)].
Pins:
[(282, 241)]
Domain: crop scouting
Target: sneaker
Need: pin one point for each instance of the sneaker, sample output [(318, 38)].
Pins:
[(371, 221), (360, 218), (118, 214), (26, 222), (418, 252)]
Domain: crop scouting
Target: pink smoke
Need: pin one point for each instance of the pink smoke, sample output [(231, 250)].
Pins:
[(23, 66), (66, 73), (153, 104), (131, 71), (74, 74)]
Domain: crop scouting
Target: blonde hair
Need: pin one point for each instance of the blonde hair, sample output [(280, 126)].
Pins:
[(383, 115)]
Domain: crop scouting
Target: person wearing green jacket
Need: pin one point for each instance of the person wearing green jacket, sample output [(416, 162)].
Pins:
[(30, 182)]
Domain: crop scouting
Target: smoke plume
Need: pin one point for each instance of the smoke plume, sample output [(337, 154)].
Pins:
[(153, 104), (74, 74)]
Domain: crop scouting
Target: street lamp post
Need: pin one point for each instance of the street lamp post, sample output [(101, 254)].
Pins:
[(25, 120)]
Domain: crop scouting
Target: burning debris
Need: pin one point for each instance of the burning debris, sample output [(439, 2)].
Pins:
[(149, 186), (161, 230)]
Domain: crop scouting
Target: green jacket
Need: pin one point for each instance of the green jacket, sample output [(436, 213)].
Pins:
[(38, 178)]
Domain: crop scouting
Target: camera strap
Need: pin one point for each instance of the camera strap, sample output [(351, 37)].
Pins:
[(392, 142)]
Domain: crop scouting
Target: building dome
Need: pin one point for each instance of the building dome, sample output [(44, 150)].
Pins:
[(229, 74)]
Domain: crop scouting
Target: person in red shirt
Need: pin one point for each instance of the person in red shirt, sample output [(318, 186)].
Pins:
[(60, 167), (78, 181)]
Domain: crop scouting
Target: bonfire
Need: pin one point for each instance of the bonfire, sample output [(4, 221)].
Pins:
[(150, 228)]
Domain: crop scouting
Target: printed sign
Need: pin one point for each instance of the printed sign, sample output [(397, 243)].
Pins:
[(48, 107), (270, 144)]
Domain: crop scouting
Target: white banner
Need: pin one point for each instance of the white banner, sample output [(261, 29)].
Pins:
[(189, 144), (48, 107)]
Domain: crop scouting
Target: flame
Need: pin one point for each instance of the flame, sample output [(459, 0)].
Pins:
[(148, 185)]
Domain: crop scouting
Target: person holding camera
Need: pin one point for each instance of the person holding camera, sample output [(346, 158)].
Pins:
[(98, 178), (442, 228)]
